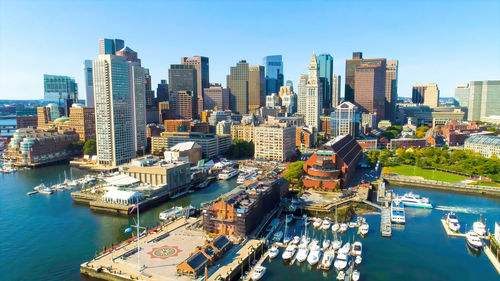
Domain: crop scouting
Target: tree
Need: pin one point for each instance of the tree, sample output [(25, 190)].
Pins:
[(294, 171), (320, 186), (90, 147), (77, 146), (240, 148)]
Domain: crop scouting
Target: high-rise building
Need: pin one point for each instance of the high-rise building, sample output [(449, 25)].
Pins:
[(462, 92), (216, 96), (484, 99), (273, 101), (350, 70), (274, 142), (289, 83), (256, 87), (162, 91), (274, 73), (201, 64), (59, 89), (426, 94), (325, 72), (237, 82), (301, 95), (369, 86), (336, 83), (150, 94), (82, 120), (110, 46), (184, 104), (314, 101), (114, 117), (391, 89), (345, 120), (89, 83), (288, 99), (183, 77)]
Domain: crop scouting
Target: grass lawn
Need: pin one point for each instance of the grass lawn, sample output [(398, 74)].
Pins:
[(486, 183), (406, 170)]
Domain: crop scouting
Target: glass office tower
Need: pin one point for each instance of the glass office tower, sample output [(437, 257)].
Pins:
[(274, 73)]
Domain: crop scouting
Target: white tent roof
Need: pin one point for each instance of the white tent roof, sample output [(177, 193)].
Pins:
[(121, 195), (183, 146), (121, 180)]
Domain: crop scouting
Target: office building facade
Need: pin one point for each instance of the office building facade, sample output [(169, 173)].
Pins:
[(314, 101), (216, 96), (237, 82), (256, 87), (325, 73), (89, 83), (462, 92), (484, 99), (59, 89), (345, 120), (301, 95), (201, 65), (391, 89), (274, 142), (369, 86), (162, 91), (336, 83), (426, 94), (274, 73)]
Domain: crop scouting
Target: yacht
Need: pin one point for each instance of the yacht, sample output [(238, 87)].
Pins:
[(273, 252), (326, 224), (289, 252), (296, 240), (315, 255), (357, 248), (397, 212), (336, 244), (258, 273), (358, 260), (305, 240), (317, 222), (335, 227), (353, 224), (343, 227), (227, 174), (341, 275), (341, 261), (414, 200), (479, 227), (328, 259), (473, 241), (174, 213), (452, 222), (246, 176), (355, 275), (277, 236), (326, 244), (345, 249), (363, 229), (287, 239), (302, 253), (42, 188)]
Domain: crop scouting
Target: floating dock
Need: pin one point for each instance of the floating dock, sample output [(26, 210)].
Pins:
[(449, 232), (385, 222)]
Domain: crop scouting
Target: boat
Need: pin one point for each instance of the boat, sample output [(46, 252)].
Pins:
[(326, 244), (273, 252), (289, 252), (314, 255), (353, 224), (204, 184), (335, 227), (175, 212), (397, 212), (258, 273), (341, 261), (355, 275), (328, 259), (414, 200), (73, 184), (357, 248), (452, 222), (278, 236), (474, 241), (296, 240), (345, 249), (42, 188), (479, 227), (336, 244), (358, 260), (302, 253), (227, 174), (287, 239), (246, 176), (305, 240), (363, 229), (317, 222), (31, 192), (341, 275), (343, 228), (326, 224)]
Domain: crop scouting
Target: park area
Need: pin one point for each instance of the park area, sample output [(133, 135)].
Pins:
[(407, 170)]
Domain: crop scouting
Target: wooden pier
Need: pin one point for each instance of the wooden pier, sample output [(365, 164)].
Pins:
[(385, 222)]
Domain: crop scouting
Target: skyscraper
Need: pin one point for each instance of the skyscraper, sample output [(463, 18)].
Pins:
[(214, 96), (462, 92), (184, 104), (426, 94), (301, 95), (162, 91), (150, 94), (369, 86), (288, 99), (345, 120), (391, 89), (89, 83), (289, 83), (336, 83), (484, 99), (237, 82), (59, 89), (201, 64), (256, 87), (183, 77), (325, 72), (110, 46), (350, 70), (274, 73), (314, 102)]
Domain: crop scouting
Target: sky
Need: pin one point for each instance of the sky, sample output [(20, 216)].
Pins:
[(443, 42)]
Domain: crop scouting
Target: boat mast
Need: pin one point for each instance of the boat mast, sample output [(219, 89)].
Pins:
[(138, 238)]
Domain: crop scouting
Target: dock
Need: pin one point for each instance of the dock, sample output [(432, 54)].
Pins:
[(492, 258), (449, 232), (385, 222), (259, 263)]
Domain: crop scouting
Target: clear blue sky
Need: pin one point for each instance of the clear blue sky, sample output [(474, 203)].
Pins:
[(447, 43)]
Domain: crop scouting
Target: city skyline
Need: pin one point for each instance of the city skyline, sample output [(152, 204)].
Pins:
[(423, 49)]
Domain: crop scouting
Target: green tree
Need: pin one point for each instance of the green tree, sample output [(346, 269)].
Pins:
[(240, 148), (90, 147), (77, 146), (294, 171)]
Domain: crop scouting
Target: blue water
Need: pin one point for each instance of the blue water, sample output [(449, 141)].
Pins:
[(47, 237)]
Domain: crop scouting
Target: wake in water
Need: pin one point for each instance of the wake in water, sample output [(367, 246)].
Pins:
[(463, 210)]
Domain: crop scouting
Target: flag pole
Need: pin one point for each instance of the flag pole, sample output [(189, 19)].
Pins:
[(138, 237)]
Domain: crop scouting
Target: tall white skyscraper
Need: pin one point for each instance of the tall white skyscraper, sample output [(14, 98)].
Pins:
[(301, 95), (89, 83), (314, 101), (336, 81)]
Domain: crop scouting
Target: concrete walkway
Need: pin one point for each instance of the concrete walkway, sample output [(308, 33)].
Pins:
[(493, 259)]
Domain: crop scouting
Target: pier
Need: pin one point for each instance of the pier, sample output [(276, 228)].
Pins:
[(259, 263), (449, 232), (385, 222)]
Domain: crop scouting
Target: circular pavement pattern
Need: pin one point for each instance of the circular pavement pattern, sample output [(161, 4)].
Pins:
[(165, 252)]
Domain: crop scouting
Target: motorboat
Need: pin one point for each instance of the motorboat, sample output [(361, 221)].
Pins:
[(335, 227), (258, 273), (289, 252), (363, 229), (397, 212), (278, 236), (227, 174), (314, 255), (317, 222), (273, 252), (341, 275), (479, 227), (414, 200), (357, 248), (345, 249), (452, 222), (296, 240), (343, 227), (42, 188), (175, 212), (358, 260), (305, 240), (326, 224), (302, 253), (336, 244), (328, 258), (474, 241), (341, 261), (352, 224), (314, 242), (246, 176), (326, 244), (287, 239), (355, 275)]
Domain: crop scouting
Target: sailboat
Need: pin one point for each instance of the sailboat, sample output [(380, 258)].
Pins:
[(286, 238), (336, 243)]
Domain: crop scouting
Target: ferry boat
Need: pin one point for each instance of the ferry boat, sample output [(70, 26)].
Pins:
[(473, 241), (479, 227), (414, 200), (315, 255), (273, 252), (452, 222), (246, 176), (227, 174), (397, 212), (328, 259), (289, 252), (258, 273)]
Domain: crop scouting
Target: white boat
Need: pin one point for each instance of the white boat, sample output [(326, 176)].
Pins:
[(327, 260), (355, 275), (343, 228), (326, 244), (246, 176), (314, 255), (352, 224), (273, 252), (317, 223), (341, 261), (289, 252), (452, 222), (357, 248), (345, 249), (397, 212), (287, 239), (336, 244), (335, 227), (175, 212), (305, 240), (277, 236), (73, 184), (326, 224), (227, 174), (414, 200), (341, 275), (479, 227), (363, 229), (358, 260), (42, 188), (302, 253), (314, 242), (258, 273), (474, 241), (296, 240)]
